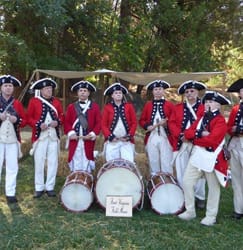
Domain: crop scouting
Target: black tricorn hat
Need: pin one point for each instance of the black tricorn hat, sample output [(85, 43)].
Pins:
[(83, 85), (10, 79), (215, 96), (190, 85), (236, 86)]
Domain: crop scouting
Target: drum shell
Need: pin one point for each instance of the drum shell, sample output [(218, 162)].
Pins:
[(83, 180), (171, 188)]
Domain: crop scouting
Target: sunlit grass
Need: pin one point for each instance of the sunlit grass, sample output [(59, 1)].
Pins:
[(44, 224)]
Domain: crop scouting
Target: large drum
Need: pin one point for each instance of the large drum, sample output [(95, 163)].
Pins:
[(165, 195), (76, 194), (119, 178)]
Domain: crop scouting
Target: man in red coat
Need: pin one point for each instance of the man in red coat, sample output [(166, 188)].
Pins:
[(82, 126), (186, 113), (12, 118), (45, 116), (207, 159), (235, 130), (118, 125), (156, 118)]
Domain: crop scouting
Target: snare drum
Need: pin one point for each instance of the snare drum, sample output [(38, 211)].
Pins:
[(119, 178), (76, 194), (165, 195)]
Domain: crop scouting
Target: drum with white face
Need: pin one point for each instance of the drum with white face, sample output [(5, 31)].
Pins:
[(119, 178), (76, 194), (165, 195)]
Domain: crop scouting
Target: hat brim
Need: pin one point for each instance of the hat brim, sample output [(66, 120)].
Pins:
[(112, 88), (236, 86), (8, 79), (85, 85), (217, 97), (191, 85)]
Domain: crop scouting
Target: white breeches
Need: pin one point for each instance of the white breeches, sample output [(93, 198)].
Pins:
[(191, 176), (181, 162), (116, 150), (80, 161), (236, 165), (9, 152), (46, 151), (159, 153)]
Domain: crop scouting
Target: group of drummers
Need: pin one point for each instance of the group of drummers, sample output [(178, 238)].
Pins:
[(184, 142)]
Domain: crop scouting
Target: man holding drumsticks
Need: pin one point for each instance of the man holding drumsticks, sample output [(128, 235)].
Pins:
[(118, 124), (82, 126)]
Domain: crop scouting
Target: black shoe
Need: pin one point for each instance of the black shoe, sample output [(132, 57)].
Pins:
[(38, 194), (237, 216), (11, 199), (51, 193), (200, 203)]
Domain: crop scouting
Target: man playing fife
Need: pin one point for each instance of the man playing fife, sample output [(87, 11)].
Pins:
[(186, 113), (207, 158)]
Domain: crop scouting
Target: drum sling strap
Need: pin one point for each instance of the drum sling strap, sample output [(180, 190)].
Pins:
[(82, 119)]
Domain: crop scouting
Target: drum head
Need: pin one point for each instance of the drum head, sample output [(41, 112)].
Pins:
[(118, 181), (76, 197), (167, 199)]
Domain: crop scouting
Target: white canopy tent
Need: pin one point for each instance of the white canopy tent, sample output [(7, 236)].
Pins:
[(138, 78)]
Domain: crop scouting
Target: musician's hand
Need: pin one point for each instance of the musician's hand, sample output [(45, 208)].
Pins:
[(163, 122), (205, 133), (3, 116), (43, 126), (124, 139), (88, 137), (12, 118), (115, 140), (53, 124), (233, 129), (73, 137), (183, 139), (150, 128)]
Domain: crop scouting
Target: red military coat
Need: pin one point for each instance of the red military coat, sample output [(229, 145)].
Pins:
[(218, 129), (36, 113), (109, 118), (232, 118), (93, 118), (176, 127), (145, 118)]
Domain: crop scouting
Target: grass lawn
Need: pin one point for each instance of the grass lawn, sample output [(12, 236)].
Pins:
[(44, 224)]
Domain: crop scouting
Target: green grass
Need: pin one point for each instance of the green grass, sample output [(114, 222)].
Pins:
[(44, 224)]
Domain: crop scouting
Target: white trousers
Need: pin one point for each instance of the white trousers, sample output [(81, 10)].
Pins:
[(181, 162), (191, 176), (9, 152), (236, 165), (116, 150), (80, 161), (46, 151), (159, 153)]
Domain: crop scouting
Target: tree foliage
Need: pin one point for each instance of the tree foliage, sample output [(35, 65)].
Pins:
[(125, 35)]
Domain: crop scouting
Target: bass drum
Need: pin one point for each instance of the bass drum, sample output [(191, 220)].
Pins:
[(76, 195), (165, 195), (119, 178)]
